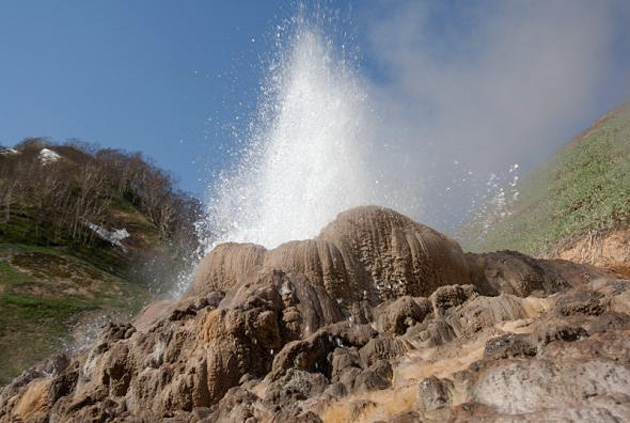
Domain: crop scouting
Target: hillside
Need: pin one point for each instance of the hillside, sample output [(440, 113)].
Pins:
[(85, 235), (574, 206)]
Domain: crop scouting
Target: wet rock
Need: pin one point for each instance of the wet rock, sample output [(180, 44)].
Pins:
[(484, 312), (299, 417), (335, 391), (358, 407), (63, 384), (560, 332), (117, 370), (118, 331), (399, 315), (607, 321), (308, 417), (314, 353), (236, 406), (614, 346), (342, 360)]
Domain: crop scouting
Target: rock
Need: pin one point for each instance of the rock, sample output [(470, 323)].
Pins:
[(314, 353), (383, 347), (234, 261), (235, 407), (342, 360), (447, 297), (366, 254), (308, 417), (614, 346), (607, 321), (509, 345), (581, 302), (358, 407), (295, 386), (510, 272), (34, 404), (376, 377), (483, 312), (397, 316), (559, 332), (408, 417), (377, 319), (433, 333), (434, 394), (400, 256), (518, 387)]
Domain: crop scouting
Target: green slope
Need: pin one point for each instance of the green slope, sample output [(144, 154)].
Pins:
[(56, 272), (584, 187), (44, 293)]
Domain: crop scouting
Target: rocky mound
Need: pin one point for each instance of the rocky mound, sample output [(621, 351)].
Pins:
[(367, 255), (312, 331)]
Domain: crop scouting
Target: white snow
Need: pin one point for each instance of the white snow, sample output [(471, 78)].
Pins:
[(114, 236), (48, 156), (8, 152)]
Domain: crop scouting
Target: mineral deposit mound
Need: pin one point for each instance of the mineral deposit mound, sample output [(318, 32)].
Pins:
[(378, 319)]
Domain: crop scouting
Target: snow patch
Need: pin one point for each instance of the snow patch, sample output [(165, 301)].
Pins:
[(9, 152), (114, 236), (47, 156)]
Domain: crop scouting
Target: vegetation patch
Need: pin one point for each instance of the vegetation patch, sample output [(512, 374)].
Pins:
[(44, 294), (58, 268), (32, 327), (584, 188)]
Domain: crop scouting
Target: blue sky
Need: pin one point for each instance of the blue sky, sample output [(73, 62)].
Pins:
[(169, 78), (136, 75)]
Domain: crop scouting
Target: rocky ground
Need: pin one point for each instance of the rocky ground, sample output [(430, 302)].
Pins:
[(377, 319)]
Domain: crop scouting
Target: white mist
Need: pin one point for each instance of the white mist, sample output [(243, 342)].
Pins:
[(313, 151)]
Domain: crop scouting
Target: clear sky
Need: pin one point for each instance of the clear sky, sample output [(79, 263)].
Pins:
[(168, 78), (137, 75)]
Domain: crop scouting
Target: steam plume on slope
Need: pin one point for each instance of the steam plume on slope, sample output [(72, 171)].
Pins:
[(489, 84)]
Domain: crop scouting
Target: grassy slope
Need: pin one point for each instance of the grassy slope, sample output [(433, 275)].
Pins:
[(584, 187), (46, 288), (57, 275), (44, 292)]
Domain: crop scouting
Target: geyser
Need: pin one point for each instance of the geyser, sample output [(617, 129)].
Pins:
[(313, 150)]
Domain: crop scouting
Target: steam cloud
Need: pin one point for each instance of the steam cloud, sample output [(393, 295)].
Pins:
[(463, 94), (506, 82)]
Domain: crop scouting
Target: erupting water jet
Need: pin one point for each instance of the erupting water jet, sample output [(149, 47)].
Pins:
[(313, 151)]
